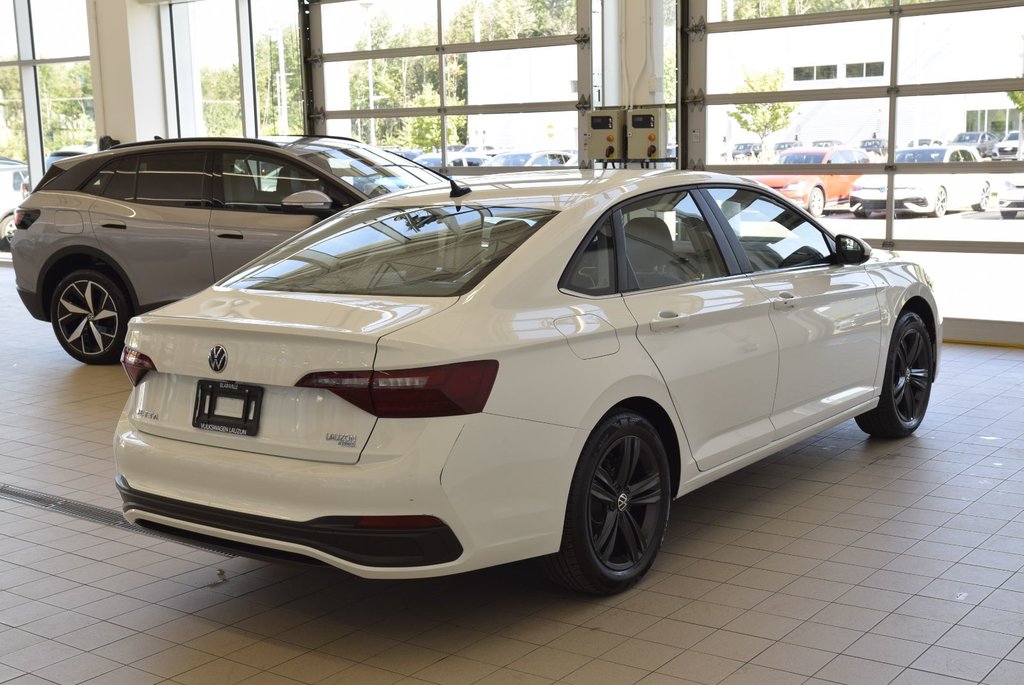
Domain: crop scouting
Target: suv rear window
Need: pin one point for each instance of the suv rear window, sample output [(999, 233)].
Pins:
[(422, 251)]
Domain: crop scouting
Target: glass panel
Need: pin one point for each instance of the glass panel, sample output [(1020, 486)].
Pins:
[(66, 107), (978, 120), (12, 116), (278, 68), (763, 132), (431, 251), (542, 75), (391, 24), (798, 57), (258, 183), (668, 42), (982, 205), (729, 10), (407, 136), (8, 36), (961, 46), (593, 271), (394, 82), (475, 21), (214, 58), (116, 180), (528, 131), (60, 28), (175, 179), (975, 286)]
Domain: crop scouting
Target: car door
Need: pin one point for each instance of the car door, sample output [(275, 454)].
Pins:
[(827, 317), (152, 216), (248, 216), (703, 323)]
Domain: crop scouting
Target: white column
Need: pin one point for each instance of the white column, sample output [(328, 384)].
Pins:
[(127, 70)]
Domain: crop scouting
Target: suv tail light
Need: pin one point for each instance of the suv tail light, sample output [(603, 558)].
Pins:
[(448, 390), (136, 365), (23, 218)]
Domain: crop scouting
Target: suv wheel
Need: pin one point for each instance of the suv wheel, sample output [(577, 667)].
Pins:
[(7, 230), (89, 312)]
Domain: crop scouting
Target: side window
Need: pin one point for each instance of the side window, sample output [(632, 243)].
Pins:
[(668, 242), (116, 180), (172, 179), (258, 183), (771, 236), (592, 272)]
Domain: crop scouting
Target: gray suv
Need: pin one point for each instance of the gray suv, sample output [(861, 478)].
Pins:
[(112, 234)]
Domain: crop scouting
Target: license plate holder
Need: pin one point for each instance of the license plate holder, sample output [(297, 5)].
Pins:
[(231, 420)]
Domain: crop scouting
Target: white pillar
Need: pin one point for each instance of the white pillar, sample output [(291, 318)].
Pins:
[(127, 69)]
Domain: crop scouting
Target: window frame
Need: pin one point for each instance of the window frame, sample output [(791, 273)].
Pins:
[(332, 188)]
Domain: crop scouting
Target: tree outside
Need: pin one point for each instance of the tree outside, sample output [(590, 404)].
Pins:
[(763, 118), (756, 9)]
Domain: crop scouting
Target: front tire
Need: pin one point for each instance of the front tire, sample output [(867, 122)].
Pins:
[(986, 197), (7, 230), (816, 202), (89, 312), (907, 382), (939, 208), (617, 509)]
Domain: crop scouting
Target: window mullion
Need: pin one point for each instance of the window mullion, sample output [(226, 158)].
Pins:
[(246, 77)]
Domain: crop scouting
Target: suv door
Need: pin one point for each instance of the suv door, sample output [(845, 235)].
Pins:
[(248, 218), (152, 216), (827, 316), (704, 325)]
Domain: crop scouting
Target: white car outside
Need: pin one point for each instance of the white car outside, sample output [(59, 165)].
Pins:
[(442, 380), (933, 194), (1011, 196)]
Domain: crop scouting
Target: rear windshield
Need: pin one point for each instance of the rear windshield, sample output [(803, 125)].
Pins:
[(423, 251), (802, 158)]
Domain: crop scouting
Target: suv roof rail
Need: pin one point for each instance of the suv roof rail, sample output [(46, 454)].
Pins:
[(317, 136), (197, 139)]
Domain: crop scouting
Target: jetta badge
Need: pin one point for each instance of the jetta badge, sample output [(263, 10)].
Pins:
[(218, 358)]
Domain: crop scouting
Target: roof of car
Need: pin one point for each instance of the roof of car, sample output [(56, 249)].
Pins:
[(554, 189)]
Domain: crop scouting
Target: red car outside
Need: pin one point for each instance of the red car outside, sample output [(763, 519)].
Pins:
[(816, 191)]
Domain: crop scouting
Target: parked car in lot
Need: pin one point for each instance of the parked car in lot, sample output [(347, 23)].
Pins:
[(818, 191), (742, 152), (827, 143), (426, 384), (433, 159), (878, 147), (1011, 196), (108, 235), (530, 158), (13, 189), (925, 142), (784, 145), (933, 194), (983, 141), (68, 151), (1009, 147)]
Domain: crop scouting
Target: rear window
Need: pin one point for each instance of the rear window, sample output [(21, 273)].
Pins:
[(423, 251), (802, 158)]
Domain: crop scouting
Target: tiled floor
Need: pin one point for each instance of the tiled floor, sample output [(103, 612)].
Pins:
[(841, 560)]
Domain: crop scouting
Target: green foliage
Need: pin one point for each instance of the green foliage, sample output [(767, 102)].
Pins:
[(755, 9), (763, 118), (222, 101), (269, 51), (65, 103), (1017, 98), (12, 129)]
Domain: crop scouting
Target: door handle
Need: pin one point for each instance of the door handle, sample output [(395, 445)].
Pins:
[(114, 224), (784, 301), (668, 320), (233, 235)]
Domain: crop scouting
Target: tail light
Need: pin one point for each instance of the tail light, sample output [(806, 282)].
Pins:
[(448, 390), (136, 365), (23, 218)]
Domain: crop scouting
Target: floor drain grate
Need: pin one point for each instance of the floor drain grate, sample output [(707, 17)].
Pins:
[(87, 512)]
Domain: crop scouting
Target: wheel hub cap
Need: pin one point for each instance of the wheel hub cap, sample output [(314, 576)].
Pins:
[(623, 501)]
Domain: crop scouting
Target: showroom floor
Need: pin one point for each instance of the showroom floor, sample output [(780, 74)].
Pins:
[(840, 560)]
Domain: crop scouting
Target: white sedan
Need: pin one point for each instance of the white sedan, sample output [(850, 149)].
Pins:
[(933, 194), (535, 365)]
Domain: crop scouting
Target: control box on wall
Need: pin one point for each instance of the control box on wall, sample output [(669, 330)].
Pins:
[(604, 135), (645, 134)]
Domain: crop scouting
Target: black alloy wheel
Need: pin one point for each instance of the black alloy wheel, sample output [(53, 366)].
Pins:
[(908, 381), (617, 510), (89, 312)]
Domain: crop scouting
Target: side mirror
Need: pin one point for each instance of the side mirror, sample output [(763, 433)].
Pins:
[(851, 250), (308, 199)]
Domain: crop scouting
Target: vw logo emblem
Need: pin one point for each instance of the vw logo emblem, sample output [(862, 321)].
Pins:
[(218, 358), (622, 502)]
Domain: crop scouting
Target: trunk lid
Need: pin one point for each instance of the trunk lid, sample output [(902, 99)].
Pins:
[(271, 340)]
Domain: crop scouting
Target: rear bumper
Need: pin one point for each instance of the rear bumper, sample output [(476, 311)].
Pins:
[(33, 303), (336, 536), (499, 485)]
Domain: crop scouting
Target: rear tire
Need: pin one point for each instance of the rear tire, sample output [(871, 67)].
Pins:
[(89, 312), (907, 384), (860, 214), (816, 202), (986, 196), (617, 509), (7, 230), (939, 208)]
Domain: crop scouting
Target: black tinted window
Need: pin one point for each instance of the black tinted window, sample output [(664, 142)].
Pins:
[(258, 183), (116, 180), (593, 270), (175, 179)]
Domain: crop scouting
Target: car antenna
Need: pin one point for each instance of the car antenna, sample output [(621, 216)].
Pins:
[(457, 190)]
